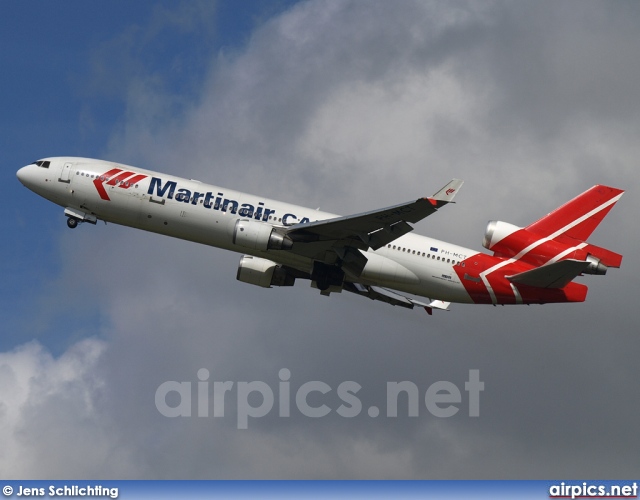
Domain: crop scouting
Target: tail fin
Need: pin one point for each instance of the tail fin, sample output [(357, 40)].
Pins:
[(579, 217), (559, 235), (573, 222)]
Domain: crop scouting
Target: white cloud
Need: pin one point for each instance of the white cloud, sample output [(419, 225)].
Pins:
[(51, 414)]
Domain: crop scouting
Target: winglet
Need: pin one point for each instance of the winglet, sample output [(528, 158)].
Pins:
[(440, 304), (447, 193), (436, 304)]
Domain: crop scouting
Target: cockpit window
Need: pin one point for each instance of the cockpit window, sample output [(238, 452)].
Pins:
[(42, 163)]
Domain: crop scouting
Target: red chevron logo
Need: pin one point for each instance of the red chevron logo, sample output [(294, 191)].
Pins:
[(116, 177)]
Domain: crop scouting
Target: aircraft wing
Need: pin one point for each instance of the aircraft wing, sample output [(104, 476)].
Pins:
[(394, 298), (372, 229)]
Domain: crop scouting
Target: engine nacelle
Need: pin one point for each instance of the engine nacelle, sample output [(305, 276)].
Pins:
[(497, 230), (263, 272), (259, 236), (595, 266)]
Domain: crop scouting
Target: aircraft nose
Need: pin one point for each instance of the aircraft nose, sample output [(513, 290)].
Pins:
[(26, 175), (21, 174)]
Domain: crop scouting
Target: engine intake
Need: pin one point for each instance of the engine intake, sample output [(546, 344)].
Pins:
[(497, 230), (263, 272)]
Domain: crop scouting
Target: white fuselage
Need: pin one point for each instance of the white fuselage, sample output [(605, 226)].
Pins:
[(207, 214)]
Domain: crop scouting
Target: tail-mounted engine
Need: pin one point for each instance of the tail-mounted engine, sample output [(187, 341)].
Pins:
[(496, 231), (263, 272), (260, 236)]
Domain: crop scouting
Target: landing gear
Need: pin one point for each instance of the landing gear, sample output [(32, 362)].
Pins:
[(326, 276), (76, 216), (323, 283)]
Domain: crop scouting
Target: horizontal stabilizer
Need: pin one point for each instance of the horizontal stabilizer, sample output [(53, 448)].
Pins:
[(556, 275)]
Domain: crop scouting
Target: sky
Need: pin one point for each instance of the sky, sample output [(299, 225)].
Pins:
[(348, 106)]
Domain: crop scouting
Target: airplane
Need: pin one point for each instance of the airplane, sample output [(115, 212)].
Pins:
[(372, 254)]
